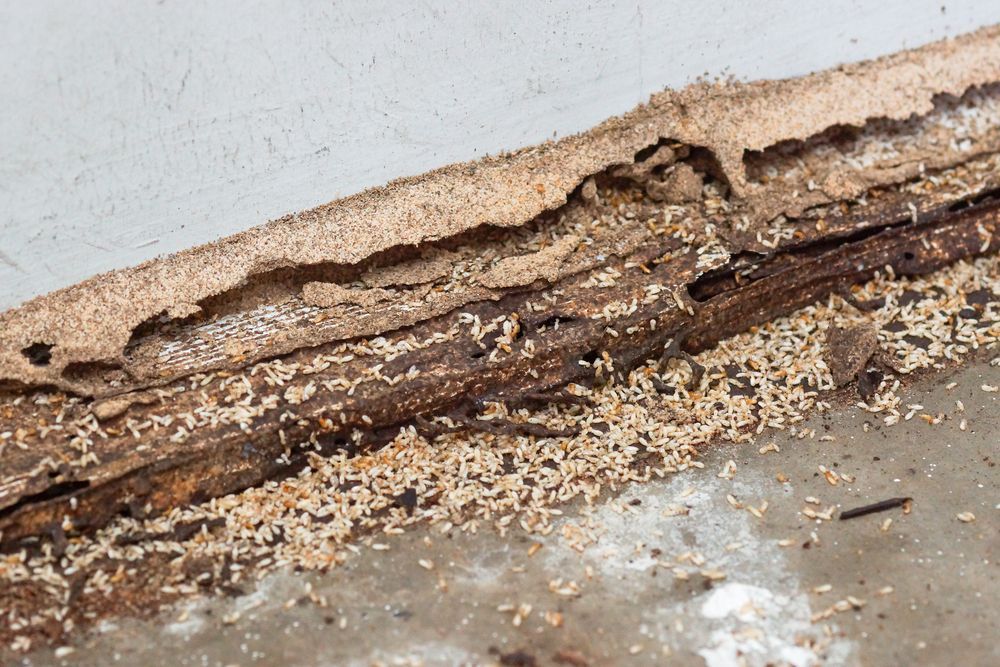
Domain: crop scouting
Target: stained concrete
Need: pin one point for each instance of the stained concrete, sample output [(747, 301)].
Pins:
[(384, 607)]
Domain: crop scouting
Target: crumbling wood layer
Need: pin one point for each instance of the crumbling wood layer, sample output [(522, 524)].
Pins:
[(231, 338), (942, 97), (42, 494)]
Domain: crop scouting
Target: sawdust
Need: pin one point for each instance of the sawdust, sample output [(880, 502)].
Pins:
[(93, 321), (414, 272), (327, 295), (680, 186), (545, 264), (110, 408)]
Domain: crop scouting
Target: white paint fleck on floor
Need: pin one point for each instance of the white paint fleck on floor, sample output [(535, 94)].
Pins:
[(758, 615)]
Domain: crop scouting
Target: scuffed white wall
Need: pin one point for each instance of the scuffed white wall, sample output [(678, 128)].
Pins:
[(134, 128)]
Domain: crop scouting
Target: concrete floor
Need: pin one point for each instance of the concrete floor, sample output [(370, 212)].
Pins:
[(384, 607)]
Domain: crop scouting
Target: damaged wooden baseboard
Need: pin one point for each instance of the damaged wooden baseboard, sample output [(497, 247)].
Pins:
[(157, 450), (654, 236), (782, 148)]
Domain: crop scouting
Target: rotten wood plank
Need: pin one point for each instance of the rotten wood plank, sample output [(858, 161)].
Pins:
[(45, 491)]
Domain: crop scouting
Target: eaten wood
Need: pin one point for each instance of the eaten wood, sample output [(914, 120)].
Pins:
[(550, 336)]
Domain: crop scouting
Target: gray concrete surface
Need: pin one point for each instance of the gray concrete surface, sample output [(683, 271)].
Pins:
[(134, 128), (385, 608)]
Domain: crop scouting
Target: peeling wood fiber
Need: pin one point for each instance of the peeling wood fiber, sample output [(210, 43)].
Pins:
[(93, 321)]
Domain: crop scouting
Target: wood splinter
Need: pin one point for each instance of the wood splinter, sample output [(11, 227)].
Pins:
[(880, 506)]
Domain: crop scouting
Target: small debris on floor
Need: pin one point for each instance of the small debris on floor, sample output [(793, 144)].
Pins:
[(881, 506)]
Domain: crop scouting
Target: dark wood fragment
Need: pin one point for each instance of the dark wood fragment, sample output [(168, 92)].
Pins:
[(848, 351), (880, 506), (868, 382)]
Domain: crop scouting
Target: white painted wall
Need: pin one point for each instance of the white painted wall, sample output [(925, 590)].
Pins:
[(134, 128)]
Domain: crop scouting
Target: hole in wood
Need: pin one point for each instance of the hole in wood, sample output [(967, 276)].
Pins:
[(39, 354)]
